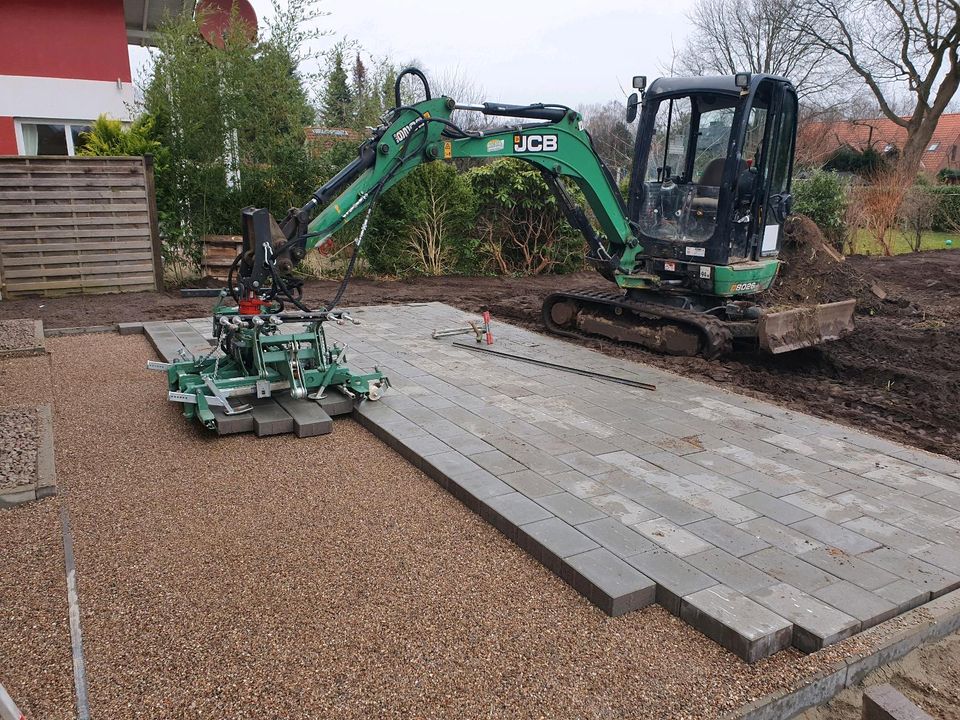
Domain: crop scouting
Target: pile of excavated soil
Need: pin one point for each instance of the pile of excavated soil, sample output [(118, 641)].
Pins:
[(811, 273)]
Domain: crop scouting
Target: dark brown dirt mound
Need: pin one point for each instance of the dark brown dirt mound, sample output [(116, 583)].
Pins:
[(813, 273)]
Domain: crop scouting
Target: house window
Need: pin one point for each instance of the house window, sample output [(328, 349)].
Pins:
[(50, 137), (933, 147)]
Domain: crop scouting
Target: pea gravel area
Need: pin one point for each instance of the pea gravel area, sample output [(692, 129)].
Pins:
[(247, 577)]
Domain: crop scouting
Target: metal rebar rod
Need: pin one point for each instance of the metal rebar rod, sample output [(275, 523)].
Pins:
[(554, 366)]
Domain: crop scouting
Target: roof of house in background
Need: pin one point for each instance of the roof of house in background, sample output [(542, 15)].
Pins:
[(822, 140), (144, 16)]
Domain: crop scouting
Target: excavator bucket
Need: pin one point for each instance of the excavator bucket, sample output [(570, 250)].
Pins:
[(781, 332)]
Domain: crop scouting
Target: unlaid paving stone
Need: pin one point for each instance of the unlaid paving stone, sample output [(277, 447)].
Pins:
[(788, 568), (608, 582), (570, 509), (615, 536), (834, 535), (675, 578), (773, 508), (743, 626), (815, 624), (672, 537), (621, 508), (531, 484), (552, 540), (922, 574), (904, 594), (269, 418), (821, 506), (309, 419), (870, 609), (727, 537), (885, 702), (887, 534), (848, 567), (730, 571)]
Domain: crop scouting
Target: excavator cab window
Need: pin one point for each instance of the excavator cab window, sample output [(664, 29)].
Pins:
[(688, 153), (711, 181)]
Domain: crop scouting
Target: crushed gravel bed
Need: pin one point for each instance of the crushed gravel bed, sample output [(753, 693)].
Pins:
[(17, 335), (35, 661), (247, 577), (19, 445)]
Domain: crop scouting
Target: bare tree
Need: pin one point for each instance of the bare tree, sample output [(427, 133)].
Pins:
[(893, 45), (759, 36), (612, 137)]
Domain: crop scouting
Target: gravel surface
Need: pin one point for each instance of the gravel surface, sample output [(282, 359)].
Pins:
[(35, 662), (243, 577), (19, 443), (17, 334)]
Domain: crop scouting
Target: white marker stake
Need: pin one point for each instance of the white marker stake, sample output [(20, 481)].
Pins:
[(8, 709)]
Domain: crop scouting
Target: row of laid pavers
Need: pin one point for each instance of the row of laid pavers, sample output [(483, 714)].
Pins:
[(736, 501)]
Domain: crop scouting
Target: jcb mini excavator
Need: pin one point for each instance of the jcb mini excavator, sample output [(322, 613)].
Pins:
[(691, 249)]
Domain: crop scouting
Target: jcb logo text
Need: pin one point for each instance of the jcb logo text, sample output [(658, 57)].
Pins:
[(534, 143)]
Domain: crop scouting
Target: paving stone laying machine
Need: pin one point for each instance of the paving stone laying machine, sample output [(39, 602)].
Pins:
[(691, 249)]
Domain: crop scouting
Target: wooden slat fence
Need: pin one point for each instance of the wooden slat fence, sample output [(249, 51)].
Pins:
[(70, 224)]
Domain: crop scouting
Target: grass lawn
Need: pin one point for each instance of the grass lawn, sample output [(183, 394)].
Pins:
[(866, 244)]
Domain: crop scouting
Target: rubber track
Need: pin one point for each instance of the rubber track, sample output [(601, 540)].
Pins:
[(716, 337)]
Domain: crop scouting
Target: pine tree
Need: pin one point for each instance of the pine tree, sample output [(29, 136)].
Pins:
[(337, 97)]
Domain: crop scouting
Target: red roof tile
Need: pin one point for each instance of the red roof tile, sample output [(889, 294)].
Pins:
[(821, 140)]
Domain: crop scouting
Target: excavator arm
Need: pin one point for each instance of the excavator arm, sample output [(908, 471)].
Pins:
[(555, 142)]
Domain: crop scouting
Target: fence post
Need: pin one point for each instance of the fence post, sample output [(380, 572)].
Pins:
[(154, 223)]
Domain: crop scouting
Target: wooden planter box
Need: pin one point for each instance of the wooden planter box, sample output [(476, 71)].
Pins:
[(219, 252)]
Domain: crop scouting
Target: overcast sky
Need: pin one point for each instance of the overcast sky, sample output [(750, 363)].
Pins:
[(515, 50)]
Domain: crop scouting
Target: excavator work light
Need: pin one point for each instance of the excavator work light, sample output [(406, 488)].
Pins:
[(639, 82), (742, 80)]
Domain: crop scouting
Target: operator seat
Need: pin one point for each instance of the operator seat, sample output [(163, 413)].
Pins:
[(711, 178)]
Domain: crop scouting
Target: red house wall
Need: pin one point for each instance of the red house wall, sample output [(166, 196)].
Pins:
[(81, 39)]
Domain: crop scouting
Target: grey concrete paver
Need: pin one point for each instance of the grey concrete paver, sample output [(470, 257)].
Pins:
[(740, 624), (615, 536), (815, 623), (730, 571), (610, 583), (788, 568), (821, 506), (922, 574), (724, 535), (672, 537), (675, 578), (867, 607), (621, 508), (773, 508), (834, 535), (569, 508)]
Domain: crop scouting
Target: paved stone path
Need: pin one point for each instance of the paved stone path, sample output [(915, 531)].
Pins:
[(760, 526)]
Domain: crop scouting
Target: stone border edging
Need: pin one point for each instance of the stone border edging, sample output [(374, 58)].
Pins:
[(935, 620)]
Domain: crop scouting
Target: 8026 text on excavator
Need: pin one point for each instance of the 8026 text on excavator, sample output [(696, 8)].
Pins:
[(691, 249)]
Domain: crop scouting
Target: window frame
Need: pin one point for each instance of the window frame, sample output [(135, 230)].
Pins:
[(67, 125)]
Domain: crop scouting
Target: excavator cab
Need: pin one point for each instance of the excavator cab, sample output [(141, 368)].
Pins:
[(711, 179)]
